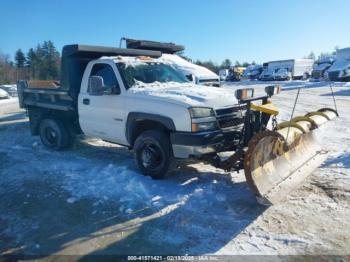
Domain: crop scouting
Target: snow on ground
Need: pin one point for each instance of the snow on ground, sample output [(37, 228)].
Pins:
[(92, 199)]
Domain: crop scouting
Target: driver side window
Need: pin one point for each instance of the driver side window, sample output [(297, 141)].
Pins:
[(110, 82)]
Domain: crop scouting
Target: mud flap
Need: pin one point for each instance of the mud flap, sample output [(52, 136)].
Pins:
[(277, 162)]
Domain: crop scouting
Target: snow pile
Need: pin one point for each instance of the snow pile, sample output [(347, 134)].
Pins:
[(131, 61), (189, 68), (194, 95)]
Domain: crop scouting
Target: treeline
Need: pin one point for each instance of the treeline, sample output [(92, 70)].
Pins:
[(227, 63), (41, 62)]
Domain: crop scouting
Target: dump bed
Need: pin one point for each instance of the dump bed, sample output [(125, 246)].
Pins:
[(47, 94)]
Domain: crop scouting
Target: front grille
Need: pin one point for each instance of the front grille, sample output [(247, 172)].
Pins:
[(230, 110), (231, 117), (316, 74), (228, 123), (333, 76)]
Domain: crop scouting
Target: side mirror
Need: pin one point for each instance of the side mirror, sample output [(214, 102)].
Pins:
[(96, 86), (272, 90), (189, 77), (244, 93)]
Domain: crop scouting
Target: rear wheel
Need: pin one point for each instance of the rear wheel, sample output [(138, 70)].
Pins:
[(54, 134), (153, 153)]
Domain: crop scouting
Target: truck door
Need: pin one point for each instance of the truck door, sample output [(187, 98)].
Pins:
[(102, 115)]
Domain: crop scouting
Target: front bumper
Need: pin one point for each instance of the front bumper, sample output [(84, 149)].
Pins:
[(282, 78), (336, 76), (187, 145), (267, 78)]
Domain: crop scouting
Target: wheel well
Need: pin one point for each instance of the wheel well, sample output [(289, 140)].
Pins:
[(36, 114), (143, 125)]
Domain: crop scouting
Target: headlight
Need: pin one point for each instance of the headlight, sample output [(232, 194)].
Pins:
[(203, 119), (200, 112), (204, 126)]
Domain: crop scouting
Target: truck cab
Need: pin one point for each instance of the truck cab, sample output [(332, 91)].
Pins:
[(252, 72), (283, 74), (320, 68), (267, 74), (340, 70)]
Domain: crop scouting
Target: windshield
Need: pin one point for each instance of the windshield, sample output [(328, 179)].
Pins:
[(149, 72), (323, 66), (282, 71)]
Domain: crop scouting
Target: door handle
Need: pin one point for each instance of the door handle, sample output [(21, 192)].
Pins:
[(86, 101)]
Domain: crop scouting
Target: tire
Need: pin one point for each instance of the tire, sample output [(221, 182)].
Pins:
[(153, 154), (54, 134), (305, 76)]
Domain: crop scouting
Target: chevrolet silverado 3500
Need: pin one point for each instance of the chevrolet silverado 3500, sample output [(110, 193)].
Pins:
[(134, 98)]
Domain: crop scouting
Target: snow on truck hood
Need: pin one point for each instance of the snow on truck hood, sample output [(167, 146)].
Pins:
[(187, 94)]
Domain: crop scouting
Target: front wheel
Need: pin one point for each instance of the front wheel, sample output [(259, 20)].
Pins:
[(153, 153)]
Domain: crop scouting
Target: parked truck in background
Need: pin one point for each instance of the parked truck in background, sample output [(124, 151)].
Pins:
[(195, 73), (291, 69), (340, 70), (223, 74), (252, 72), (235, 73), (320, 68)]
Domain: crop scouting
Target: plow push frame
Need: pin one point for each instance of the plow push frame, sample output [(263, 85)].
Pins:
[(277, 161)]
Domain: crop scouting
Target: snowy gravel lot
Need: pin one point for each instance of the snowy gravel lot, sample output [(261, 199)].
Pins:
[(92, 200)]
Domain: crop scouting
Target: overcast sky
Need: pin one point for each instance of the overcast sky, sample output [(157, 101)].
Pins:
[(239, 30)]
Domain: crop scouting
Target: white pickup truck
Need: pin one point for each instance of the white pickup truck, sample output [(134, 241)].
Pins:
[(137, 99)]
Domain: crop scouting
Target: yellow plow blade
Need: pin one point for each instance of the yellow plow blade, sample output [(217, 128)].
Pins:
[(277, 162)]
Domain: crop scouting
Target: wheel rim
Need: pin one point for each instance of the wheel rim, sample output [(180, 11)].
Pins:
[(51, 136), (151, 156)]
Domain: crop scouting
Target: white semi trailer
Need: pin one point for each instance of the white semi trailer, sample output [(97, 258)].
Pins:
[(287, 69)]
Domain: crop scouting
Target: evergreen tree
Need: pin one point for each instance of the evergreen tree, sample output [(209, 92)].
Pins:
[(311, 56), (52, 61), (20, 58), (237, 64), (32, 63), (226, 64), (40, 55)]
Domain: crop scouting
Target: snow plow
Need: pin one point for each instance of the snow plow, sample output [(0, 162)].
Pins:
[(277, 161)]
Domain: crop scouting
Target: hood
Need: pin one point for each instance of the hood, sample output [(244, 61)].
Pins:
[(321, 67), (339, 65), (187, 94), (3, 94)]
